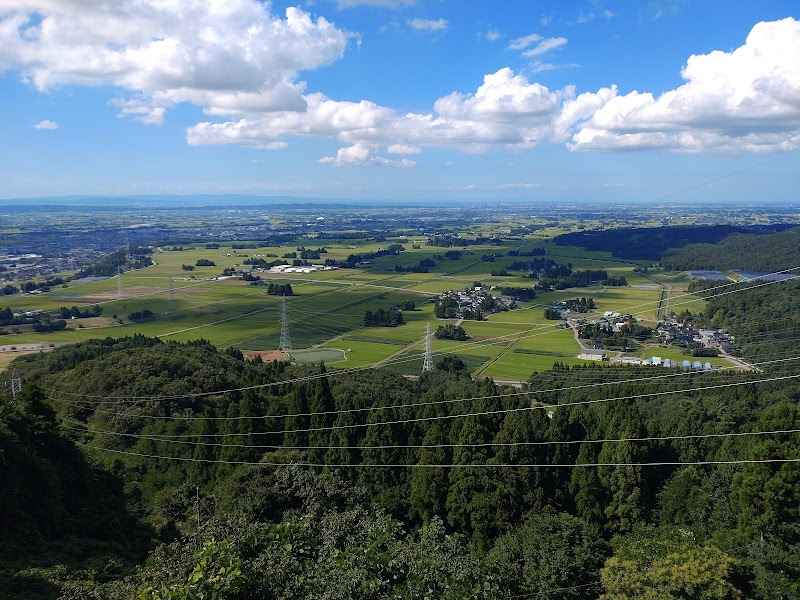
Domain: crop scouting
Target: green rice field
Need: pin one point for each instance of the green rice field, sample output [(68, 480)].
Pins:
[(326, 314)]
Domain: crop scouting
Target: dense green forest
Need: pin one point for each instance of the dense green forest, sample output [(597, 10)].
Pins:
[(140, 468), (652, 243), (770, 253)]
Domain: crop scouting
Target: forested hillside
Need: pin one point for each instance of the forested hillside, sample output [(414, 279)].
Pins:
[(296, 483), (763, 316), (56, 507), (651, 243), (770, 253)]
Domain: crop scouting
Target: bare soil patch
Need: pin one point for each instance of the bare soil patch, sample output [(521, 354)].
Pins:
[(130, 292), (266, 355)]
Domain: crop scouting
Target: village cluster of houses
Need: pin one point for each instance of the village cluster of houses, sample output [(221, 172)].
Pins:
[(610, 321), (613, 321), (22, 267), (475, 299), (671, 331)]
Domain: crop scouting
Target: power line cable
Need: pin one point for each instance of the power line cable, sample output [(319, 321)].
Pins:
[(439, 417), (682, 373), (170, 439), (448, 465)]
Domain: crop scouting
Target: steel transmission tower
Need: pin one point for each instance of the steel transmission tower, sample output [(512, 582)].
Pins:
[(120, 291), (171, 296), (16, 384), (427, 360), (286, 343)]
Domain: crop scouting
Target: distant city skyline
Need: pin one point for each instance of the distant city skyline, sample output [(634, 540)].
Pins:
[(402, 100)]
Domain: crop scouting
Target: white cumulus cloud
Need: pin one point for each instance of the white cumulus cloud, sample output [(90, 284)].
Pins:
[(744, 100), (403, 149), (503, 97), (242, 64), (362, 154), (232, 57), (352, 156), (428, 24), (45, 124)]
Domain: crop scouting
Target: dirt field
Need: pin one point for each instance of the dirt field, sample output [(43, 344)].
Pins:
[(6, 356), (130, 292), (266, 355)]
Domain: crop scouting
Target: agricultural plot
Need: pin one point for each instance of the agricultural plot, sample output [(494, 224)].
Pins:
[(642, 304), (327, 312), (495, 330), (328, 356), (362, 354), (480, 348), (547, 338), (519, 367), (411, 364)]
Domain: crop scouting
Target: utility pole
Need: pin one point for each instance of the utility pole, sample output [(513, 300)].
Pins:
[(128, 253), (427, 360), (285, 343), (197, 506), (120, 291)]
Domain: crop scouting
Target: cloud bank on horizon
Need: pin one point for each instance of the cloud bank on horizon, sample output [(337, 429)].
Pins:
[(243, 65)]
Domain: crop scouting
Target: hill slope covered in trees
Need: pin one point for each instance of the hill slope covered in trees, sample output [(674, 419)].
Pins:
[(445, 486)]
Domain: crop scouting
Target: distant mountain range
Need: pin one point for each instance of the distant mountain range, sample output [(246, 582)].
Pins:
[(179, 201), (170, 201)]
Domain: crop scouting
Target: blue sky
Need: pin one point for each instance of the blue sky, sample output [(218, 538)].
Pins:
[(402, 99)]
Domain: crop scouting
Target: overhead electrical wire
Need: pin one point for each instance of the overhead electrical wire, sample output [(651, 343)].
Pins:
[(682, 373), (439, 417), (155, 437), (448, 465)]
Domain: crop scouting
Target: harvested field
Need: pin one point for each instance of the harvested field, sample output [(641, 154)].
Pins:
[(130, 293)]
